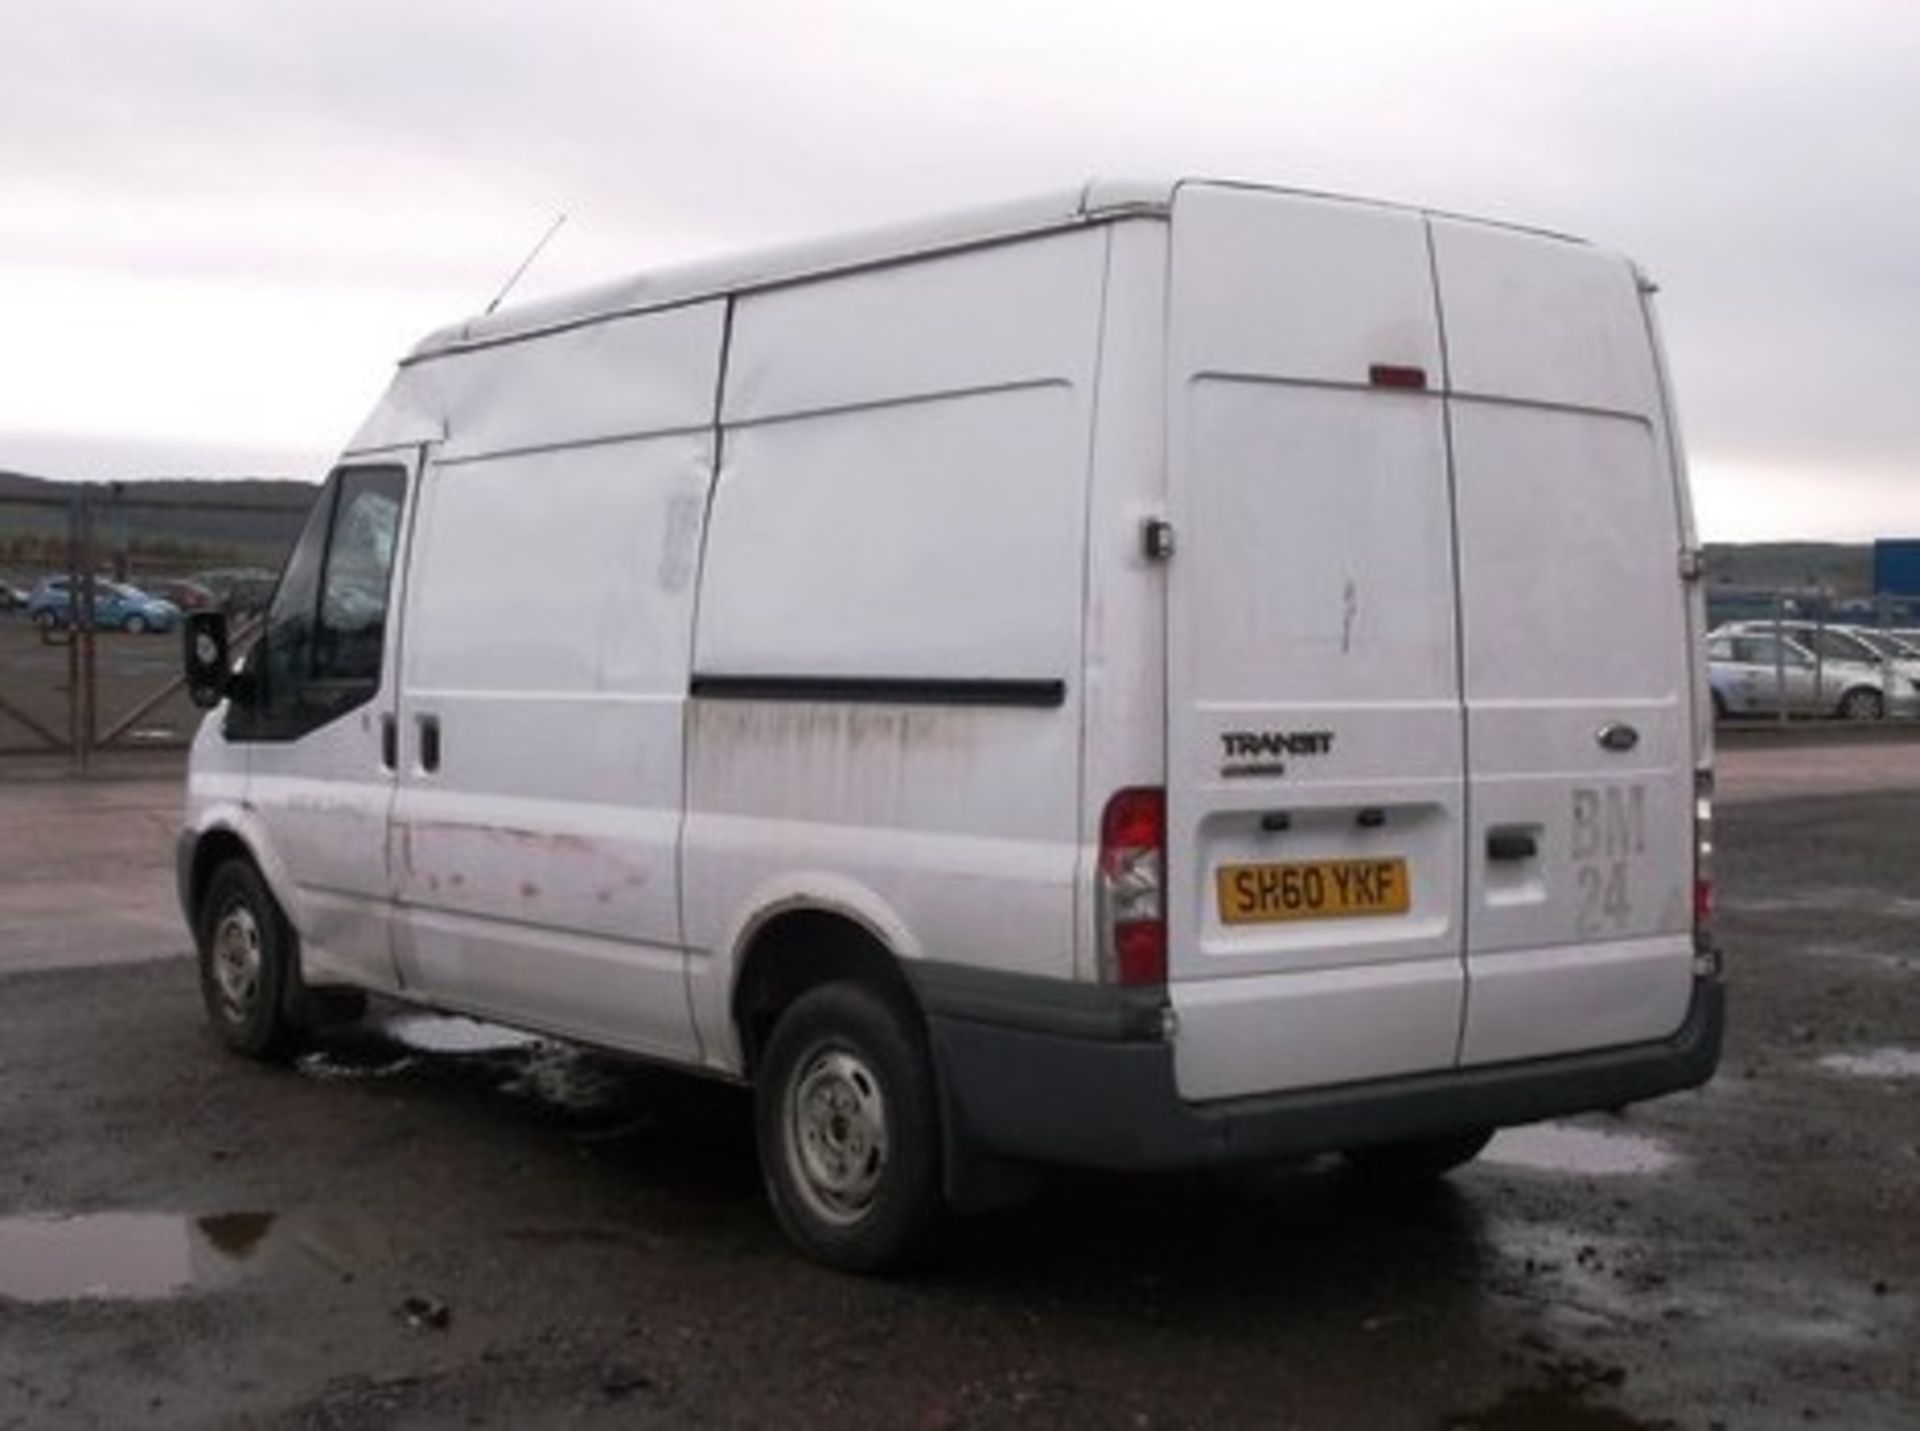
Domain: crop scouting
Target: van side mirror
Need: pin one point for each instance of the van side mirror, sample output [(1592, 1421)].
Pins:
[(208, 667)]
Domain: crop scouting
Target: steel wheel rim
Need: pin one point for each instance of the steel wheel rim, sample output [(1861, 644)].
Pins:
[(835, 1126), (237, 960)]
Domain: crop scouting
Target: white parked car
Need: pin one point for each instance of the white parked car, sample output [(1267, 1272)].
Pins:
[(1902, 658), (1755, 674), (1158, 675), (1856, 679)]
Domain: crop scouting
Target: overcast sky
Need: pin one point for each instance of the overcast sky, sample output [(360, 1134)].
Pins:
[(221, 222)]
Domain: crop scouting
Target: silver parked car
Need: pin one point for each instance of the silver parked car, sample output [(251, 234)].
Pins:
[(1902, 652), (1896, 678), (1756, 673)]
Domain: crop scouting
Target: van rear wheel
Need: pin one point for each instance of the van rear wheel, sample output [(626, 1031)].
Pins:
[(848, 1128), (1419, 1159)]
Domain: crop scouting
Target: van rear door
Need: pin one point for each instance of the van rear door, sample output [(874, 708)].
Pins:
[(1575, 631), (1315, 769)]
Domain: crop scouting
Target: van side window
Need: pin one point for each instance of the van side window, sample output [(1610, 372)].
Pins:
[(320, 655), (353, 594)]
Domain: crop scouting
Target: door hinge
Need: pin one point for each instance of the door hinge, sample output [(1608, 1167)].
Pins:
[(1156, 539), (1693, 563)]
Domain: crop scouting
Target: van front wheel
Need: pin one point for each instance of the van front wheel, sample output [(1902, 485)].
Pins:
[(848, 1128), (246, 960)]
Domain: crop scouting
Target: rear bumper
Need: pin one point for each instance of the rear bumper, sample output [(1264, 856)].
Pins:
[(1108, 1099)]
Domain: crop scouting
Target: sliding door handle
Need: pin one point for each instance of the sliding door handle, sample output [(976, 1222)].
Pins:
[(389, 741)]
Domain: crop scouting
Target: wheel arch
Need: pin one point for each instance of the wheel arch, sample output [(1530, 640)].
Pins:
[(232, 834), (211, 850), (798, 946)]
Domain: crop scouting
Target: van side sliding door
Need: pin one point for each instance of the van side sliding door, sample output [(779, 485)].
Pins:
[(544, 681)]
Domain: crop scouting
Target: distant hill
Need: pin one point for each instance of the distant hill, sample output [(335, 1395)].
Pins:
[(176, 523), (160, 526), (1845, 569), (170, 491)]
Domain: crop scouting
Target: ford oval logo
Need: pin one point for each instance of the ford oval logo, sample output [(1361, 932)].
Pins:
[(1617, 737)]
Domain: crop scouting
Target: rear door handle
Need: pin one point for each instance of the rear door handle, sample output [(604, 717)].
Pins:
[(1511, 845), (429, 743)]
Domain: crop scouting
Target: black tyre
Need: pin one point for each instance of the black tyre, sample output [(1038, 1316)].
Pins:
[(46, 620), (247, 963), (134, 625), (1420, 1159), (1863, 703), (848, 1128)]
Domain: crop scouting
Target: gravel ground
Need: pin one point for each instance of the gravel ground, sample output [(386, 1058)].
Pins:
[(425, 1224)]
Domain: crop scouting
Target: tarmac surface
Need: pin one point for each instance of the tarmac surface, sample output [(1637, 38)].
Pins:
[(426, 1222)]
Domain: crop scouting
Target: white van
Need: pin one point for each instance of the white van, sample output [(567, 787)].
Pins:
[(1163, 674)]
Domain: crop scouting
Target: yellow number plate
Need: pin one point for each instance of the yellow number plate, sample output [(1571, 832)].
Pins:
[(1311, 889)]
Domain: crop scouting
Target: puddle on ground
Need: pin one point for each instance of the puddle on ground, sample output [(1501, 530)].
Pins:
[(1880, 1063), (1586, 1279), (1837, 899), (383, 1047), (1561, 1404), (565, 1078), (1873, 955), (449, 1033), (1586, 1276), (529, 1066), (1564, 1148), (336, 1065), (149, 1256)]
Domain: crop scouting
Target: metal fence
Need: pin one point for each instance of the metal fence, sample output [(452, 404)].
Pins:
[(90, 679), (87, 666), (1799, 653)]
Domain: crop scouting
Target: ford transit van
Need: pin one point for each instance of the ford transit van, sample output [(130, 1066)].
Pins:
[(1152, 676)]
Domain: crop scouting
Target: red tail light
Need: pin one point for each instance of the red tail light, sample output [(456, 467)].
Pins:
[(1702, 858), (1133, 842)]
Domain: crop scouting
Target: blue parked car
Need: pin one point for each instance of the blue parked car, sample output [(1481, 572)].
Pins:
[(115, 606)]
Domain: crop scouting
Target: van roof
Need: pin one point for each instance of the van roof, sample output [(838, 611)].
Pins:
[(1095, 201)]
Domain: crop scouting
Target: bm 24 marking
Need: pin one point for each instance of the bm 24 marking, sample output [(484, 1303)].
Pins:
[(1609, 835)]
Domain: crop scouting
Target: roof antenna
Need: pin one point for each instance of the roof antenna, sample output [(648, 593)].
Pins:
[(527, 262)]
